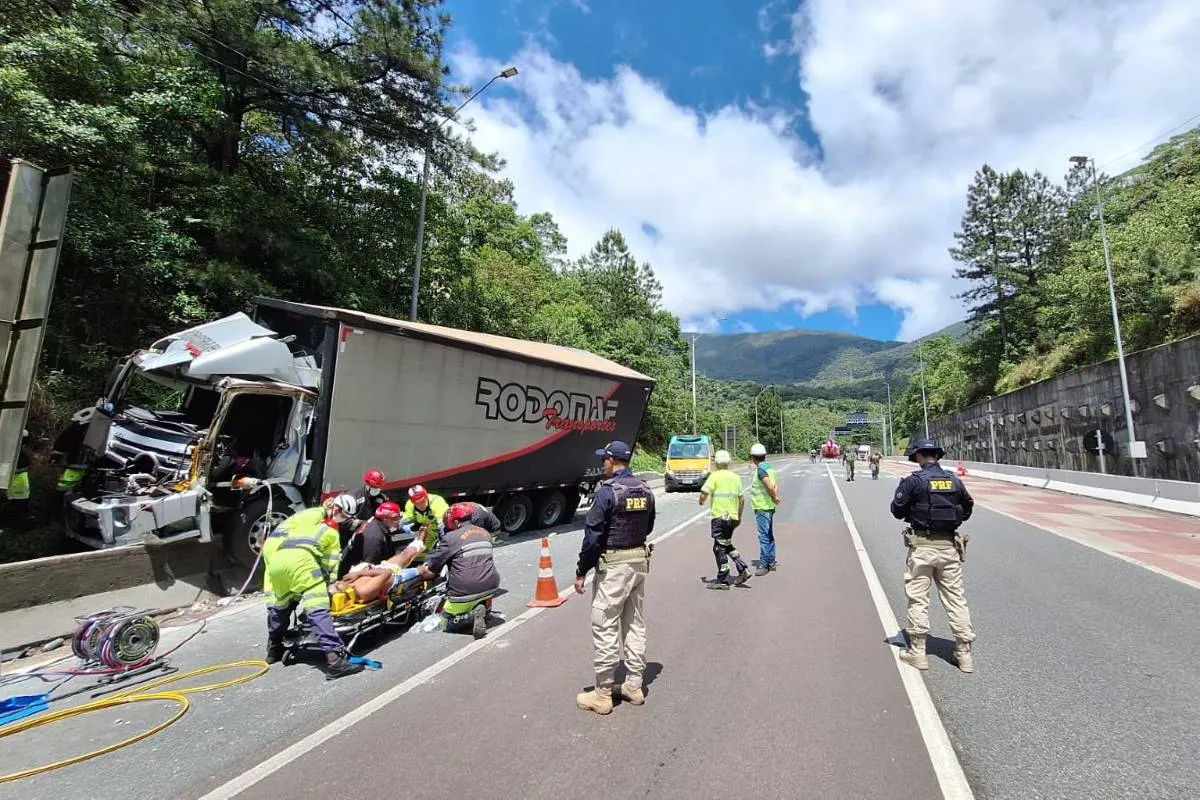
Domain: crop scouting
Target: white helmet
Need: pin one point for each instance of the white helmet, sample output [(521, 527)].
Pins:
[(347, 504), (758, 449), (722, 457)]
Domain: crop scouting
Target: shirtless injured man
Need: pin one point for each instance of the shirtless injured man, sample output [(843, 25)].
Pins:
[(367, 583)]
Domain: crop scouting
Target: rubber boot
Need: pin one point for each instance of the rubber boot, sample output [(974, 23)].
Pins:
[(915, 654), (962, 656), (479, 622), (630, 694), (338, 666), (598, 700), (274, 652)]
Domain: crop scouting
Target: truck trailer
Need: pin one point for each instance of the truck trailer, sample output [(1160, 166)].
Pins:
[(263, 417)]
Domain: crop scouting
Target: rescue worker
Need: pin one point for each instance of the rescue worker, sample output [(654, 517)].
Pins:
[(300, 558), (874, 461), (376, 541), (423, 513), (764, 499), (18, 486), (728, 502), (848, 459), (934, 503), (465, 550), (370, 495), (616, 528), (483, 518)]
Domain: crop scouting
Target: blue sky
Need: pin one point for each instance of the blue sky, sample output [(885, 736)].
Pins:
[(803, 165)]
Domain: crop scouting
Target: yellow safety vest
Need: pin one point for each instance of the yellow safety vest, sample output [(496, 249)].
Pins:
[(724, 487), (18, 489)]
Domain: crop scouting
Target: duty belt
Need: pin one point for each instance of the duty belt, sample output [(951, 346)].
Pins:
[(632, 555), (919, 538)]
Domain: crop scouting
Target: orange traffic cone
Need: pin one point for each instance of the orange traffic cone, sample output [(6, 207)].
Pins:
[(961, 469), (546, 595)]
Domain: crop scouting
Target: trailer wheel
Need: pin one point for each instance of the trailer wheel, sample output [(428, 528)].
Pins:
[(573, 500), (551, 508), (515, 513)]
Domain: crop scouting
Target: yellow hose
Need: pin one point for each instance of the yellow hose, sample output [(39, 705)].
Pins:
[(141, 694)]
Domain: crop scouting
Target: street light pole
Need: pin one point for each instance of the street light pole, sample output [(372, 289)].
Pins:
[(416, 287), (1136, 448), (782, 434), (757, 437), (891, 420), (695, 420), (924, 402)]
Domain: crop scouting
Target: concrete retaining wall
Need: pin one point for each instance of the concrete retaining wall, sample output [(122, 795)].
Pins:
[(1179, 497), (1043, 425)]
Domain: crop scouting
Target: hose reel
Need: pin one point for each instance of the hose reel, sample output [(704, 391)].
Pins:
[(119, 638)]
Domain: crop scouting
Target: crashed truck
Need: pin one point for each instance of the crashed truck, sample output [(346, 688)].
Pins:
[(268, 415)]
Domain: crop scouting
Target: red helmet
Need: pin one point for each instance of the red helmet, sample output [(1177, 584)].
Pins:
[(387, 510), (456, 514), (418, 493), (374, 478)]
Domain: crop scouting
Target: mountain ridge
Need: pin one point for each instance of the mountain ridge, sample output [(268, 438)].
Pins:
[(808, 357)]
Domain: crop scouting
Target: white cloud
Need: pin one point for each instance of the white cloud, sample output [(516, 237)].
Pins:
[(908, 99)]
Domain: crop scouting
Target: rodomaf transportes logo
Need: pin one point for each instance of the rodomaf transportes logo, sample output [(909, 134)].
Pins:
[(558, 409)]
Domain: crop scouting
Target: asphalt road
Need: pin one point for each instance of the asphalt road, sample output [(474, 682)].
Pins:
[(1086, 684), (1087, 681), (225, 730)]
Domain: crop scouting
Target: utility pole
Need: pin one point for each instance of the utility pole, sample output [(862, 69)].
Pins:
[(695, 421), (782, 434)]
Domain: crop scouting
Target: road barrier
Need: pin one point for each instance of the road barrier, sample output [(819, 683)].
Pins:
[(1179, 497)]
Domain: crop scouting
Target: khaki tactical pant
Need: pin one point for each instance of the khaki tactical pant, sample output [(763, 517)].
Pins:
[(618, 623), (927, 565)]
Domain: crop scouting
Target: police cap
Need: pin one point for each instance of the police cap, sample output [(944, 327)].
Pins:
[(618, 451), (924, 444)]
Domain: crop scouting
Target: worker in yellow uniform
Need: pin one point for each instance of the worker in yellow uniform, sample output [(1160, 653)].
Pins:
[(423, 515), (724, 486), (300, 562), (18, 485)]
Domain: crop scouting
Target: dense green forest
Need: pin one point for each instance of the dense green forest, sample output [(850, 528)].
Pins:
[(1031, 257), (234, 148)]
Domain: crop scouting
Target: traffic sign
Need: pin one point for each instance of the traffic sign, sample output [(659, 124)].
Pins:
[(1097, 441)]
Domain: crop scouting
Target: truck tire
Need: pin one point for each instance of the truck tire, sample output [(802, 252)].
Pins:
[(573, 500), (515, 513), (246, 531), (550, 509)]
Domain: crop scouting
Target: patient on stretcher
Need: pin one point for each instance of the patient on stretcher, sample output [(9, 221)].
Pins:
[(366, 583)]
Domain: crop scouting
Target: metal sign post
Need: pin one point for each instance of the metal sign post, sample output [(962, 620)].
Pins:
[(31, 236)]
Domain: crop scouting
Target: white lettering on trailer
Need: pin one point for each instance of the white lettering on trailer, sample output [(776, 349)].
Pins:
[(514, 402)]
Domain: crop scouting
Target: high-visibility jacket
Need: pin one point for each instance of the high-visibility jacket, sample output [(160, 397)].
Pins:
[(760, 498), (300, 555), (18, 488), (431, 516), (724, 487)]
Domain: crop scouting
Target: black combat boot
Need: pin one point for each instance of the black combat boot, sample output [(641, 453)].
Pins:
[(339, 666), (479, 621), (274, 652)]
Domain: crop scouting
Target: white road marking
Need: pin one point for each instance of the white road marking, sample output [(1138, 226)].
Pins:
[(289, 754), (950, 775)]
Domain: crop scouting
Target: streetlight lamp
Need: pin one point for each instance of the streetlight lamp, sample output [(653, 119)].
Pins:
[(412, 311), (1136, 449)]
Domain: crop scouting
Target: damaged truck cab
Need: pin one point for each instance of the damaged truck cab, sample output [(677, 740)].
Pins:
[(227, 428), (161, 475)]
